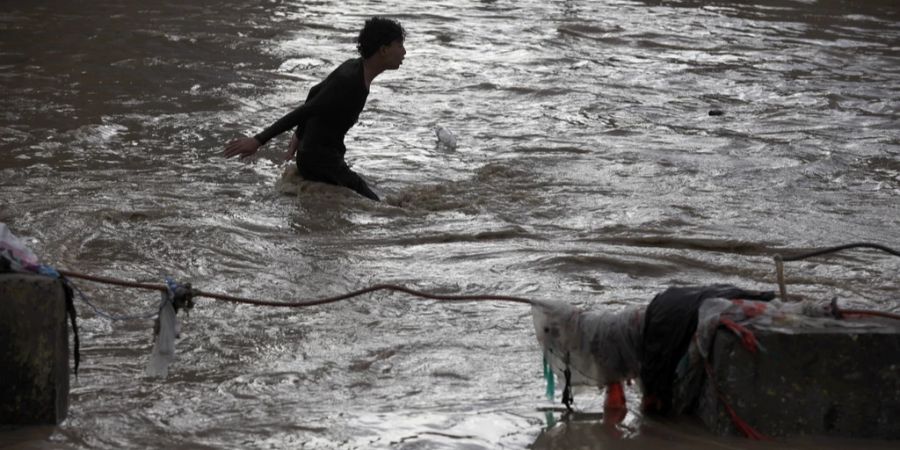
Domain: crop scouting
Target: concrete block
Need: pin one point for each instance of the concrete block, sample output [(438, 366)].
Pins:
[(827, 380), (34, 350)]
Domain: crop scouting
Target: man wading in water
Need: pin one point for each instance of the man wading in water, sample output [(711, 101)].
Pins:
[(332, 107)]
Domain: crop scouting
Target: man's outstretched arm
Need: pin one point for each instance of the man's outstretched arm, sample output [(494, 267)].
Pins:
[(325, 96), (247, 146)]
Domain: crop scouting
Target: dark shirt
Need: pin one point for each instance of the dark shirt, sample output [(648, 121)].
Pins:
[(670, 322), (331, 109)]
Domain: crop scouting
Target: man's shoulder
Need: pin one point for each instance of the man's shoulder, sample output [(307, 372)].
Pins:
[(348, 70)]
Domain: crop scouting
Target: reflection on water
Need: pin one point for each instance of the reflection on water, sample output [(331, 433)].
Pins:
[(587, 168), (584, 431)]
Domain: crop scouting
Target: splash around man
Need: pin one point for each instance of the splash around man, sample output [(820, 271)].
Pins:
[(332, 108)]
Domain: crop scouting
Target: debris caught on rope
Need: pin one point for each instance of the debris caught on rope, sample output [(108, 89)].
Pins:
[(589, 347), (165, 330), (166, 327), (583, 347)]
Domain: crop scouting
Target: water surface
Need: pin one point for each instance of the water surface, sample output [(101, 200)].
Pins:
[(588, 170)]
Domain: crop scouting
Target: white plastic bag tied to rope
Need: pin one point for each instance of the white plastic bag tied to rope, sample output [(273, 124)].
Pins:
[(598, 347), (164, 346)]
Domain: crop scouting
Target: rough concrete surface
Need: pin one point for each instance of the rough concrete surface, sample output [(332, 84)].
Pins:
[(34, 350), (821, 381)]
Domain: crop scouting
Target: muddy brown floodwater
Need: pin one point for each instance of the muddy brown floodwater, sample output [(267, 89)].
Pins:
[(588, 169)]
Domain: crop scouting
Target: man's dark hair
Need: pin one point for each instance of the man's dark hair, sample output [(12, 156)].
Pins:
[(376, 32)]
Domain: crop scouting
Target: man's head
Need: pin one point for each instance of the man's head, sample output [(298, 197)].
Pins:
[(383, 38)]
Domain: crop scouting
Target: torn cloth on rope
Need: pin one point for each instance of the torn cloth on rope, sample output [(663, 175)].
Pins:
[(166, 328), (165, 332)]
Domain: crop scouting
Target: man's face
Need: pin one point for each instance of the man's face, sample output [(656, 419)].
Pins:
[(394, 54)]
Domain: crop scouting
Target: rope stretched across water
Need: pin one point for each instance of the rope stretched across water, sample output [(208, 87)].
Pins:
[(455, 298), (826, 251), (438, 297), (780, 260), (359, 292), (304, 303)]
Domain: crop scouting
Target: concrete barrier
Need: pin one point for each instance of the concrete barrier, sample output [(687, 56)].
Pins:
[(832, 381), (34, 350)]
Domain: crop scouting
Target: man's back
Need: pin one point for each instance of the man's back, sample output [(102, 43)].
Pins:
[(342, 95)]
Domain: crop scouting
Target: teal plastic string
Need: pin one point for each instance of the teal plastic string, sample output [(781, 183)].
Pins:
[(551, 380), (550, 418)]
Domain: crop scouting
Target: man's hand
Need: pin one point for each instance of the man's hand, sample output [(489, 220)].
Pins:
[(292, 148), (244, 147)]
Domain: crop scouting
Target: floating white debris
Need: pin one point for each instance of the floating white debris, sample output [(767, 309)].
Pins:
[(445, 137)]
